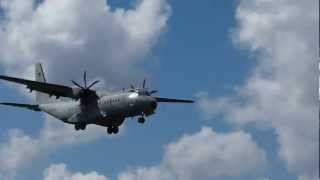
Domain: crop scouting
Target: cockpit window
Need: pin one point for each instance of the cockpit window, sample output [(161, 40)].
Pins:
[(133, 95)]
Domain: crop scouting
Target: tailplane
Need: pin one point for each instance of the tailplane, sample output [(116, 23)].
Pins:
[(41, 98)]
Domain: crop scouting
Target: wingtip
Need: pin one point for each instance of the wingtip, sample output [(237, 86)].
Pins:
[(169, 100), (190, 101)]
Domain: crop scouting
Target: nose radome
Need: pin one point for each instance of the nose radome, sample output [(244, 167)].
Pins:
[(154, 105)]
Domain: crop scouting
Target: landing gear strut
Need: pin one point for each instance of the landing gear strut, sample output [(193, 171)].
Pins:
[(113, 129), (141, 120)]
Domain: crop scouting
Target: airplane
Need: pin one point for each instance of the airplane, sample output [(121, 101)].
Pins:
[(81, 105)]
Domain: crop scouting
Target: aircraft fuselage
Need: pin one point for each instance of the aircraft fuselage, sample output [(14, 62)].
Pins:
[(81, 105), (109, 110)]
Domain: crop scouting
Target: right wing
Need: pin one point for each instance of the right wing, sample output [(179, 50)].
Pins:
[(169, 100), (51, 89), (27, 106)]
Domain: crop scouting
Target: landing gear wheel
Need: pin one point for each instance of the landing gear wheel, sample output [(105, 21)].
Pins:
[(83, 126), (79, 126), (115, 130), (141, 120), (109, 130), (76, 127)]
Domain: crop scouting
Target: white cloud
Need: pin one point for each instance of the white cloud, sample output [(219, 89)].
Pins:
[(21, 149), (281, 92), (70, 36), (205, 155), (60, 172), (78, 35), (145, 173), (16, 153)]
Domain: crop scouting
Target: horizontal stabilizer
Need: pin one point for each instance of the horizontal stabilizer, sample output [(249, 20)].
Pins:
[(27, 106), (168, 100)]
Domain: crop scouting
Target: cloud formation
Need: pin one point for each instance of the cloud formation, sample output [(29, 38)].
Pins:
[(16, 153), (60, 172), (21, 149), (69, 37), (205, 155), (281, 92)]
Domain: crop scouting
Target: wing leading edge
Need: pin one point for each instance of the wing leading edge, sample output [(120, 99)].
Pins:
[(27, 106), (169, 100), (48, 88)]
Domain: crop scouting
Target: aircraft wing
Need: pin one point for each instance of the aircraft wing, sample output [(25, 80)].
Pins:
[(168, 100), (51, 89), (27, 106)]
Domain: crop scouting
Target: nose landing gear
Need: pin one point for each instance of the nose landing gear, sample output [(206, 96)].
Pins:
[(141, 120)]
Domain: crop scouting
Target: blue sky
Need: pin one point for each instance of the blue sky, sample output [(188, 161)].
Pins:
[(194, 53)]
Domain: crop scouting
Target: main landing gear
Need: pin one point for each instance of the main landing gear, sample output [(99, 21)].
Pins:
[(141, 120), (113, 130), (79, 126)]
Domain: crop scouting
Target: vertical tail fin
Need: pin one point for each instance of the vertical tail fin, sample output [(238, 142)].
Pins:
[(41, 98)]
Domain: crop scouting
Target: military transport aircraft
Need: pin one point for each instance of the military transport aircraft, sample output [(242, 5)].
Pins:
[(81, 105)]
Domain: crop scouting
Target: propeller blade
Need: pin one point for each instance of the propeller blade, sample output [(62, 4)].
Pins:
[(153, 91), (92, 84), (144, 83), (168, 100), (75, 83), (85, 79)]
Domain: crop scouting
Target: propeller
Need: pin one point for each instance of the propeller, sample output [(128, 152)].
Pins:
[(144, 90), (85, 87), (153, 91), (86, 94), (144, 83)]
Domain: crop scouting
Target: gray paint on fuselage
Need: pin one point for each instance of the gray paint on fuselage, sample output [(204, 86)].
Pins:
[(118, 104), (61, 110)]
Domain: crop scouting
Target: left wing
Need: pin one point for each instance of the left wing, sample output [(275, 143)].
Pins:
[(51, 89), (27, 106)]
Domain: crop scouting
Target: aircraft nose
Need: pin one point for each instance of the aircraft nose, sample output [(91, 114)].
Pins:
[(154, 105)]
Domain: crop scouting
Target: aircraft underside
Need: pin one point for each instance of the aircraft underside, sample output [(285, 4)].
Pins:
[(110, 115)]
